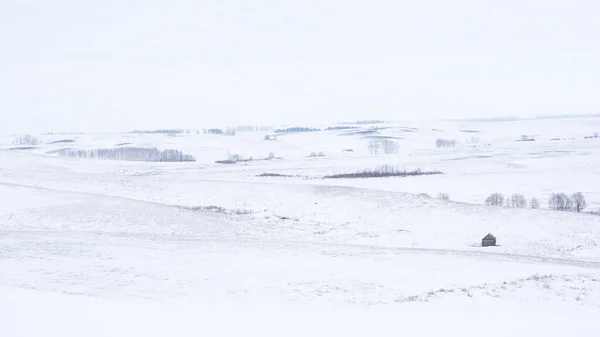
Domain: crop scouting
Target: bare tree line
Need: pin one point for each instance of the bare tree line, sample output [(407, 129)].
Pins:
[(386, 146), (558, 201), (27, 140), (129, 154), (382, 171)]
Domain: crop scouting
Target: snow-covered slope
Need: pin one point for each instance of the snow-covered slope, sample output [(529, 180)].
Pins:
[(147, 248)]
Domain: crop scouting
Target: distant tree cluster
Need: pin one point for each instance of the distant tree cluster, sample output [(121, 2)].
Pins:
[(316, 154), (167, 131), (331, 128), (382, 171), (385, 146), (296, 129), (129, 154), (214, 131), (26, 140), (558, 201), (440, 143), (570, 203)]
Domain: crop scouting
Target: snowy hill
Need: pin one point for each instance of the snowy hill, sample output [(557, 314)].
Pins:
[(85, 242)]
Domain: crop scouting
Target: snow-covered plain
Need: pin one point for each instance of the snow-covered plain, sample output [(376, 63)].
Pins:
[(117, 248)]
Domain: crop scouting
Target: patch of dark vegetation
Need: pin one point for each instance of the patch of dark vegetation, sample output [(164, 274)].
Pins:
[(296, 129), (24, 148), (347, 150), (128, 154), (470, 131), (227, 161), (62, 141), (596, 135), (274, 175), (382, 172), (331, 128), (214, 132), (123, 144)]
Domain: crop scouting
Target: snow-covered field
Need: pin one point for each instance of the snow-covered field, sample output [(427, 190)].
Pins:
[(114, 248)]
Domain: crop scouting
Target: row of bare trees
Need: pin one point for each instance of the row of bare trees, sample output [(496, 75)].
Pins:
[(558, 201), (129, 154), (385, 146), (26, 140)]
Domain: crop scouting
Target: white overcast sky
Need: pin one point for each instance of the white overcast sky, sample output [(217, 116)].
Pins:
[(118, 65)]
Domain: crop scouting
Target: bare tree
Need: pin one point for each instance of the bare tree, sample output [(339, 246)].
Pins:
[(443, 196), (374, 147), (534, 203), (496, 199), (579, 203), (518, 201), (389, 147), (560, 202)]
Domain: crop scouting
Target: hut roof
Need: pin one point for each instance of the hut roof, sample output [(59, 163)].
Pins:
[(489, 237)]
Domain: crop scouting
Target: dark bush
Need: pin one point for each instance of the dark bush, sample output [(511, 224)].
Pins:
[(381, 172)]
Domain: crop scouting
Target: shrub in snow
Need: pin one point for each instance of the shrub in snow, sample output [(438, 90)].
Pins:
[(534, 203), (518, 201), (26, 140), (579, 203), (560, 202), (496, 199), (443, 196)]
